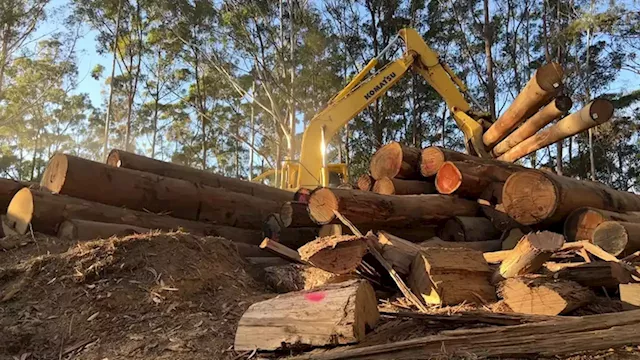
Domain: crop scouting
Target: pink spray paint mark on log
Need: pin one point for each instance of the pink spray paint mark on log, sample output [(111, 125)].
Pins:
[(315, 296)]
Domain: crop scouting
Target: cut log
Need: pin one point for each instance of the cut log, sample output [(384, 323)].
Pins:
[(543, 296), (581, 223), (546, 339), (542, 86), (83, 230), (445, 276), (630, 295), (374, 211), (335, 254), (8, 188), (395, 160), (434, 157), (492, 194), (302, 195), (388, 186), (281, 250), (594, 274), (297, 277), (330, 315), (127, 160), (465, 228), (529, 254), (468, 178), (617, 238), (500, 219), (398, 252), (483, 246), (554, 110), (414, 234), (273, 228), (46, 211), (532, 197), (511, 238), (365, 182), (594, 113), (295, 214)]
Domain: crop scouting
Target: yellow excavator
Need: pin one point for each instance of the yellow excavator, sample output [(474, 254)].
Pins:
[(312, 170)]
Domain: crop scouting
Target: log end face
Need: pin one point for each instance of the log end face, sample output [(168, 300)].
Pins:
[(432, 159), (365, 182), (322, 203), (67, 231), (384, 186), (19, 212), (387, 161), (529, 197), (549, 77), (55, 174), (114, 158), (611, 236), (366, 312), (600, 111), (546, 241), (286, 214), (448, 179), (581, 223), (563, 103)]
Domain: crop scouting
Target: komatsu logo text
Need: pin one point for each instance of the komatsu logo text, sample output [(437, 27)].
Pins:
[(379, 86)]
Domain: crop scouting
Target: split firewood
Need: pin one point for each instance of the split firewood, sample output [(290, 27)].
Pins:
[(446, 276), (281, 250), (581, 223), (617, 238), (365, 182), (374, 211), (295, 277), (541, 88), (395, 160), (595, 274), (335, 254), (83, 230), (544, 296), (393, 186), (529, 254), (532, 197), (330, 315), (466, 228), (630, 295)]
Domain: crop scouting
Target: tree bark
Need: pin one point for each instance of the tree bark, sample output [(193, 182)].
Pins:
[(329, 315), (395, 160), (83, 230), (365, 182), (470, 179), (392, 186), (433, 158), (544, 84), (295, 214), (465, 228), (532, 197), (8, 189), (541, 296), (529, 254), (340, 254), (594, 113), (617, 238), (374, 211), (581, 223), (554, 110), (123, 159)]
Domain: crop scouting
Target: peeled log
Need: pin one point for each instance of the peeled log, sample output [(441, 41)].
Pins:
[(465, 228), (124, 159), (554, 110), (532, 197), (374, 211), (529, 254), (365, 182), (543, 296), (339, 254), (329, 315), (542, 86), (581, 223), (83, 230), (617, 238), (392, 186), (594, 113), (395, 160)]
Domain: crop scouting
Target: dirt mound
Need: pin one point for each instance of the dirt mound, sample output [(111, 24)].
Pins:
[(152, 296)]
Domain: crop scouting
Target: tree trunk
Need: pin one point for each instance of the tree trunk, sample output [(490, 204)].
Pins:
[(395, 160), (529, 254), (83, 230), (488, 34), (107, 120), (330, 315), (365, 182), (127, 160), (581, 223), (336, 254), (464, 228), (554, 110), (541, 296), (433, 158), (532, 197), (617, 238), (392, 186), (544, 84), (295, 214), (374, 211), (596, 112)]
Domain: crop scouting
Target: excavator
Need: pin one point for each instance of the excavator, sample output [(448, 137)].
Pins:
[(312, 170)]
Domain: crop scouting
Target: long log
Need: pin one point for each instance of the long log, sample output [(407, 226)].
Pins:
[(581, 223), (83, 230), (594, 113), (554, 110), (365, 182), (392, 186), (395, 160), (529, 254), (617, 238), (532, 197), (77, 177), (466, 228), (542, 296), (542, 86), (295, 214), (595, 274), (124, 159), (558, 336), (471, 179), (433, 157), (45, 212), (329, 315), (373, 211)]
